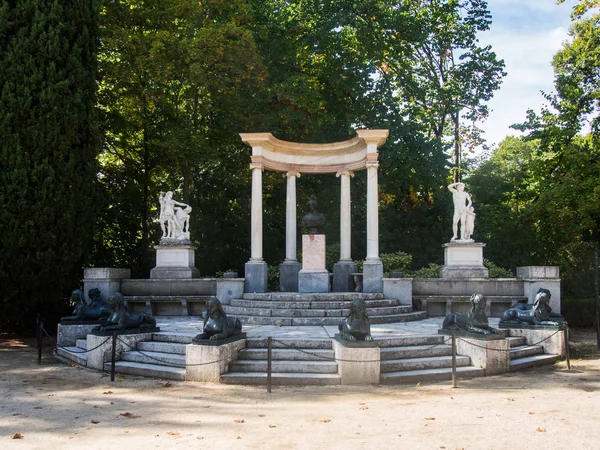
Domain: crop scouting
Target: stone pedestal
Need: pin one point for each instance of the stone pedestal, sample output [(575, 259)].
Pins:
[(105, 279), (313, 278), (536, 277), (197, 357), (399, 288), (373, 276), (67, 335), (342, 276), (175, 262), (463, 260), (256, 277), (358, 365), (228, 288), (288, 276), (491, 355)]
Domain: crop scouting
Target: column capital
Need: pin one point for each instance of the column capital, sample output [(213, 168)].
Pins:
[(256, 165), (347, 173), (292, 173), (374, 164)]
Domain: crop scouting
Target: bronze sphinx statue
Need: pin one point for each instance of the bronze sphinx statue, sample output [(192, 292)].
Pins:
[(475, 321), (216, 323), (356, 326), (92, 310), (538, 313), (121, 319)]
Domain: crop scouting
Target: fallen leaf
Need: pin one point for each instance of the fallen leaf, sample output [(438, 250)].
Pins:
[(531, 413), (261, 415), (363, 407), (588, 390), (95, 421), (239, 437), (510, 399), (120, 379), (199, 437), (167, 384), (198, 421), (17, 436), (239, 420), (418, 384), (361, 403), (173, 433), (69, 437), (107, 392), (38, 407), (272, 426), (570, 384), (357, 433), (442, 446), (429, 418), (197, 398), (325, 420), (206, 406), (129, 415), (480, 417), (541, 430)]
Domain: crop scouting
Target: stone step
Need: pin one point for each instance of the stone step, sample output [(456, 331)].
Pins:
[(414, 351), (516, 341), (525, 350), (532, 361), (411, 340), (81, 343), (467, 298), (419, 376), (73, 354), (162, 347), (158, 358), (147, 370), (297, 297), (260, 378), (341, 304), (410, 364), (310, 312), (282, 354), (175, 338), (167, 298), (312, 367), (291, 344), (318, 321)]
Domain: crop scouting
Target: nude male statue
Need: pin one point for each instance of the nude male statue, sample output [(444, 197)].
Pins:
[(175, 220), (462, 212)]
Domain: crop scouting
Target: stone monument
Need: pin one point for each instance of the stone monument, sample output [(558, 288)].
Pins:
[(463, 257), (175, 255), (217, 325), (313, 277)]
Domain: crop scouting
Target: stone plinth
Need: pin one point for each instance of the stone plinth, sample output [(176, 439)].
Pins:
[(357, 365), (67, 335), (342, 276), (196, 357), (313, 278), (463, 260), (105, 279), (174, 261), (399, 288), (288, 276), (256, 277), (491, 355), (102, 346), (228, 288), (372, 276), (536, 277)]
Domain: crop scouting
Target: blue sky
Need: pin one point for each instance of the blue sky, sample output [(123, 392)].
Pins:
[(526, 34)]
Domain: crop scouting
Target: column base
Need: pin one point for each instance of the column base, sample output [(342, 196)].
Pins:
[(313, 281), (373, 276), (288, 276), (342, 276), (256, 277)]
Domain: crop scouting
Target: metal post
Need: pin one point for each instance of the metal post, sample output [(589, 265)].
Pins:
[(113, 356), (597, 319), (40, 338), (566, 331), (269, 356), (453, 360)]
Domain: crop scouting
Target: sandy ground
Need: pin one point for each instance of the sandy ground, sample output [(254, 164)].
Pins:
[(55, 405)]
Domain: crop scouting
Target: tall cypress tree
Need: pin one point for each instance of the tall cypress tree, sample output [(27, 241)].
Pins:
[(48, 149)]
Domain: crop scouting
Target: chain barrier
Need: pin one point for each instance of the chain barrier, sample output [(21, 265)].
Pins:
[(502, 350), (85, 351)]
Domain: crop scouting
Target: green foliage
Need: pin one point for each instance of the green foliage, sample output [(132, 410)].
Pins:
[(579, 312), (396, 262), (273, 278), (497, 272), (47, 154), (431, 271)]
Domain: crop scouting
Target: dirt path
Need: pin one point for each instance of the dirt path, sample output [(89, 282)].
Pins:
[(55, 405)]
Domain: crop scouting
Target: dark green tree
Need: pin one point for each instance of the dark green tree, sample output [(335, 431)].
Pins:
[(47, 153)]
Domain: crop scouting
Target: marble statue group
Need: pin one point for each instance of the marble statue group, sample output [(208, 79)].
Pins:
[(174, 217)]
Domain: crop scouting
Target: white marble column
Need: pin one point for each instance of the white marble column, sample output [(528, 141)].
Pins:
[(372, 212), (290, 217), (256, 253), (345, 216)]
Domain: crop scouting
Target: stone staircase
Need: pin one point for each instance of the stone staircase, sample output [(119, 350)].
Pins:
[(163, 357), (442, 305), (313, 364), (290, 309), (414, 359), (74, 353), (523, 356)]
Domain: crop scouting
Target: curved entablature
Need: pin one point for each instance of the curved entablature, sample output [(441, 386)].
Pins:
[(284, 156)]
